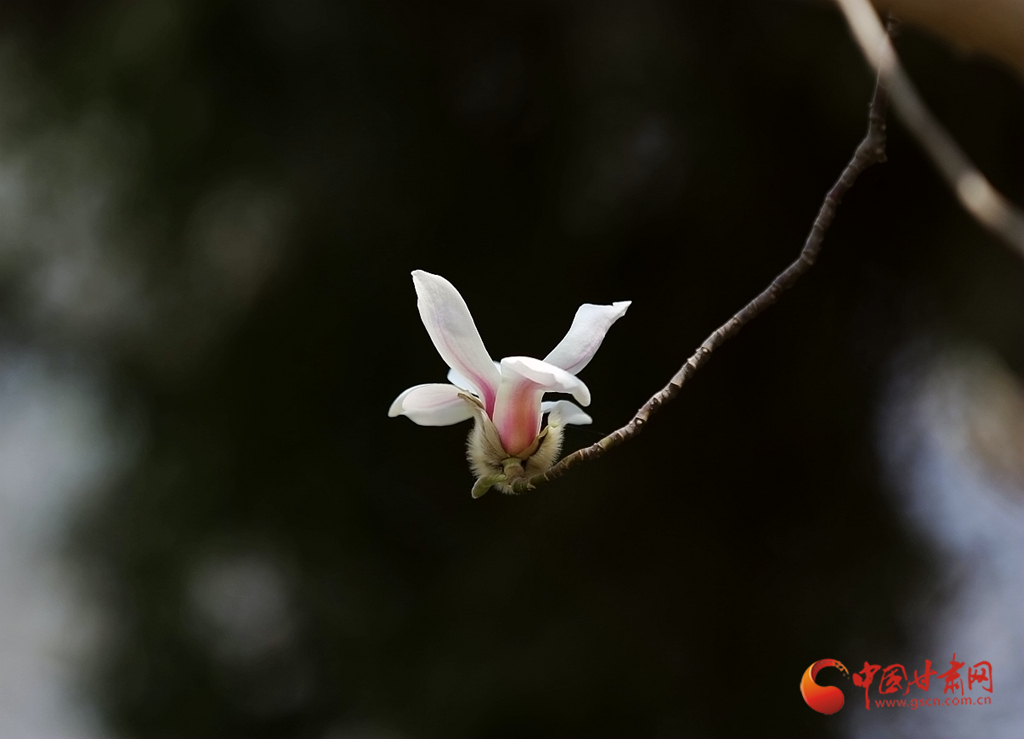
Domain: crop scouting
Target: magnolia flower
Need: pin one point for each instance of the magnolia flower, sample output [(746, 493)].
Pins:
[(504, 398)]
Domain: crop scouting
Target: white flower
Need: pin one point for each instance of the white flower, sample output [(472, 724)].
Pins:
[(504, 398)]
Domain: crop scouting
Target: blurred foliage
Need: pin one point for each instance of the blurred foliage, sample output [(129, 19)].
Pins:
[(282, 559)]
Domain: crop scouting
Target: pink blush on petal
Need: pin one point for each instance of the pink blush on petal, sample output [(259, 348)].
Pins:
[(520, 423)]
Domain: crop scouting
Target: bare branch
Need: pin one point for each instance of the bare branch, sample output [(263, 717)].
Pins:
[(870, 151), (975, 193)]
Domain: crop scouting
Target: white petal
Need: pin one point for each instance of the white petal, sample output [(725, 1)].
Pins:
[(524, 380), (565, 413), (550, 378), (460, 380), (591, 323), (451, 328), (432, 405)]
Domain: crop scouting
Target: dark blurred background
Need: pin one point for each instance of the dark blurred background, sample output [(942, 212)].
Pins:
[(208, 524)]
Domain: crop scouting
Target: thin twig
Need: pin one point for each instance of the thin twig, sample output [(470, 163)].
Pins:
[(870, 151), (975, 193)]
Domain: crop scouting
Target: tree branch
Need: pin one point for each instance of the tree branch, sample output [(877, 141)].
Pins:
[(975, 193), (870, 151)]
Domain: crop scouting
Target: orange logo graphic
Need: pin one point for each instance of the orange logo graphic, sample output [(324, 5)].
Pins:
[(825, 699)]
